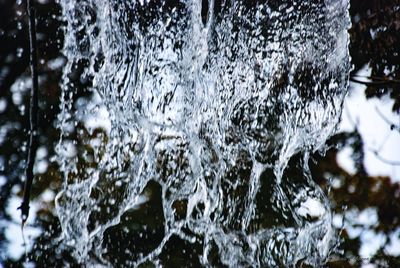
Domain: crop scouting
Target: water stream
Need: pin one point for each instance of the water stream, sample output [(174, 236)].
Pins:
[(218, 104)]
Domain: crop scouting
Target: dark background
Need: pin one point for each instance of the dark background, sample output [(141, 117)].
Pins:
[(375, 40)]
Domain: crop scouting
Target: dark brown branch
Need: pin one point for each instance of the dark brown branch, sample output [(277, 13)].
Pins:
[(377, 78), (33, 116), (374, 83)]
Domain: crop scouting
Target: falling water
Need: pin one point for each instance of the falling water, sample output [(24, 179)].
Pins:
[(218, 105)]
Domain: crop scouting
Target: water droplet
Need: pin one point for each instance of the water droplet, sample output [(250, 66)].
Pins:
[(20, 52)]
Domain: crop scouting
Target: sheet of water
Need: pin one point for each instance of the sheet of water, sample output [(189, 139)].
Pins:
[(219, 103)]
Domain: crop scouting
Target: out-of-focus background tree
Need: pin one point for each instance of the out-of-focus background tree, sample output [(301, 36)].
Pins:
[(362, 169), (366, 200)]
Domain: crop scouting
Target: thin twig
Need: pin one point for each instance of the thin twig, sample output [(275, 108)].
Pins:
[(377, 78), (33, 117), (374, 83), (384, 160)]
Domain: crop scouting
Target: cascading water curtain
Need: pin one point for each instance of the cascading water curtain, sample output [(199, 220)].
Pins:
[(213, 107)]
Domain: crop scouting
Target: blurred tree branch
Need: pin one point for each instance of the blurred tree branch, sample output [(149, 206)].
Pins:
[(33, 115), (375, 39)]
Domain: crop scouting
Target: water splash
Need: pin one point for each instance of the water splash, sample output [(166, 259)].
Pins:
[(218, 105)]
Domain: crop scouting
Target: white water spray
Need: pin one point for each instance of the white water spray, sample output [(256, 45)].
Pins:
[(219, 103)]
